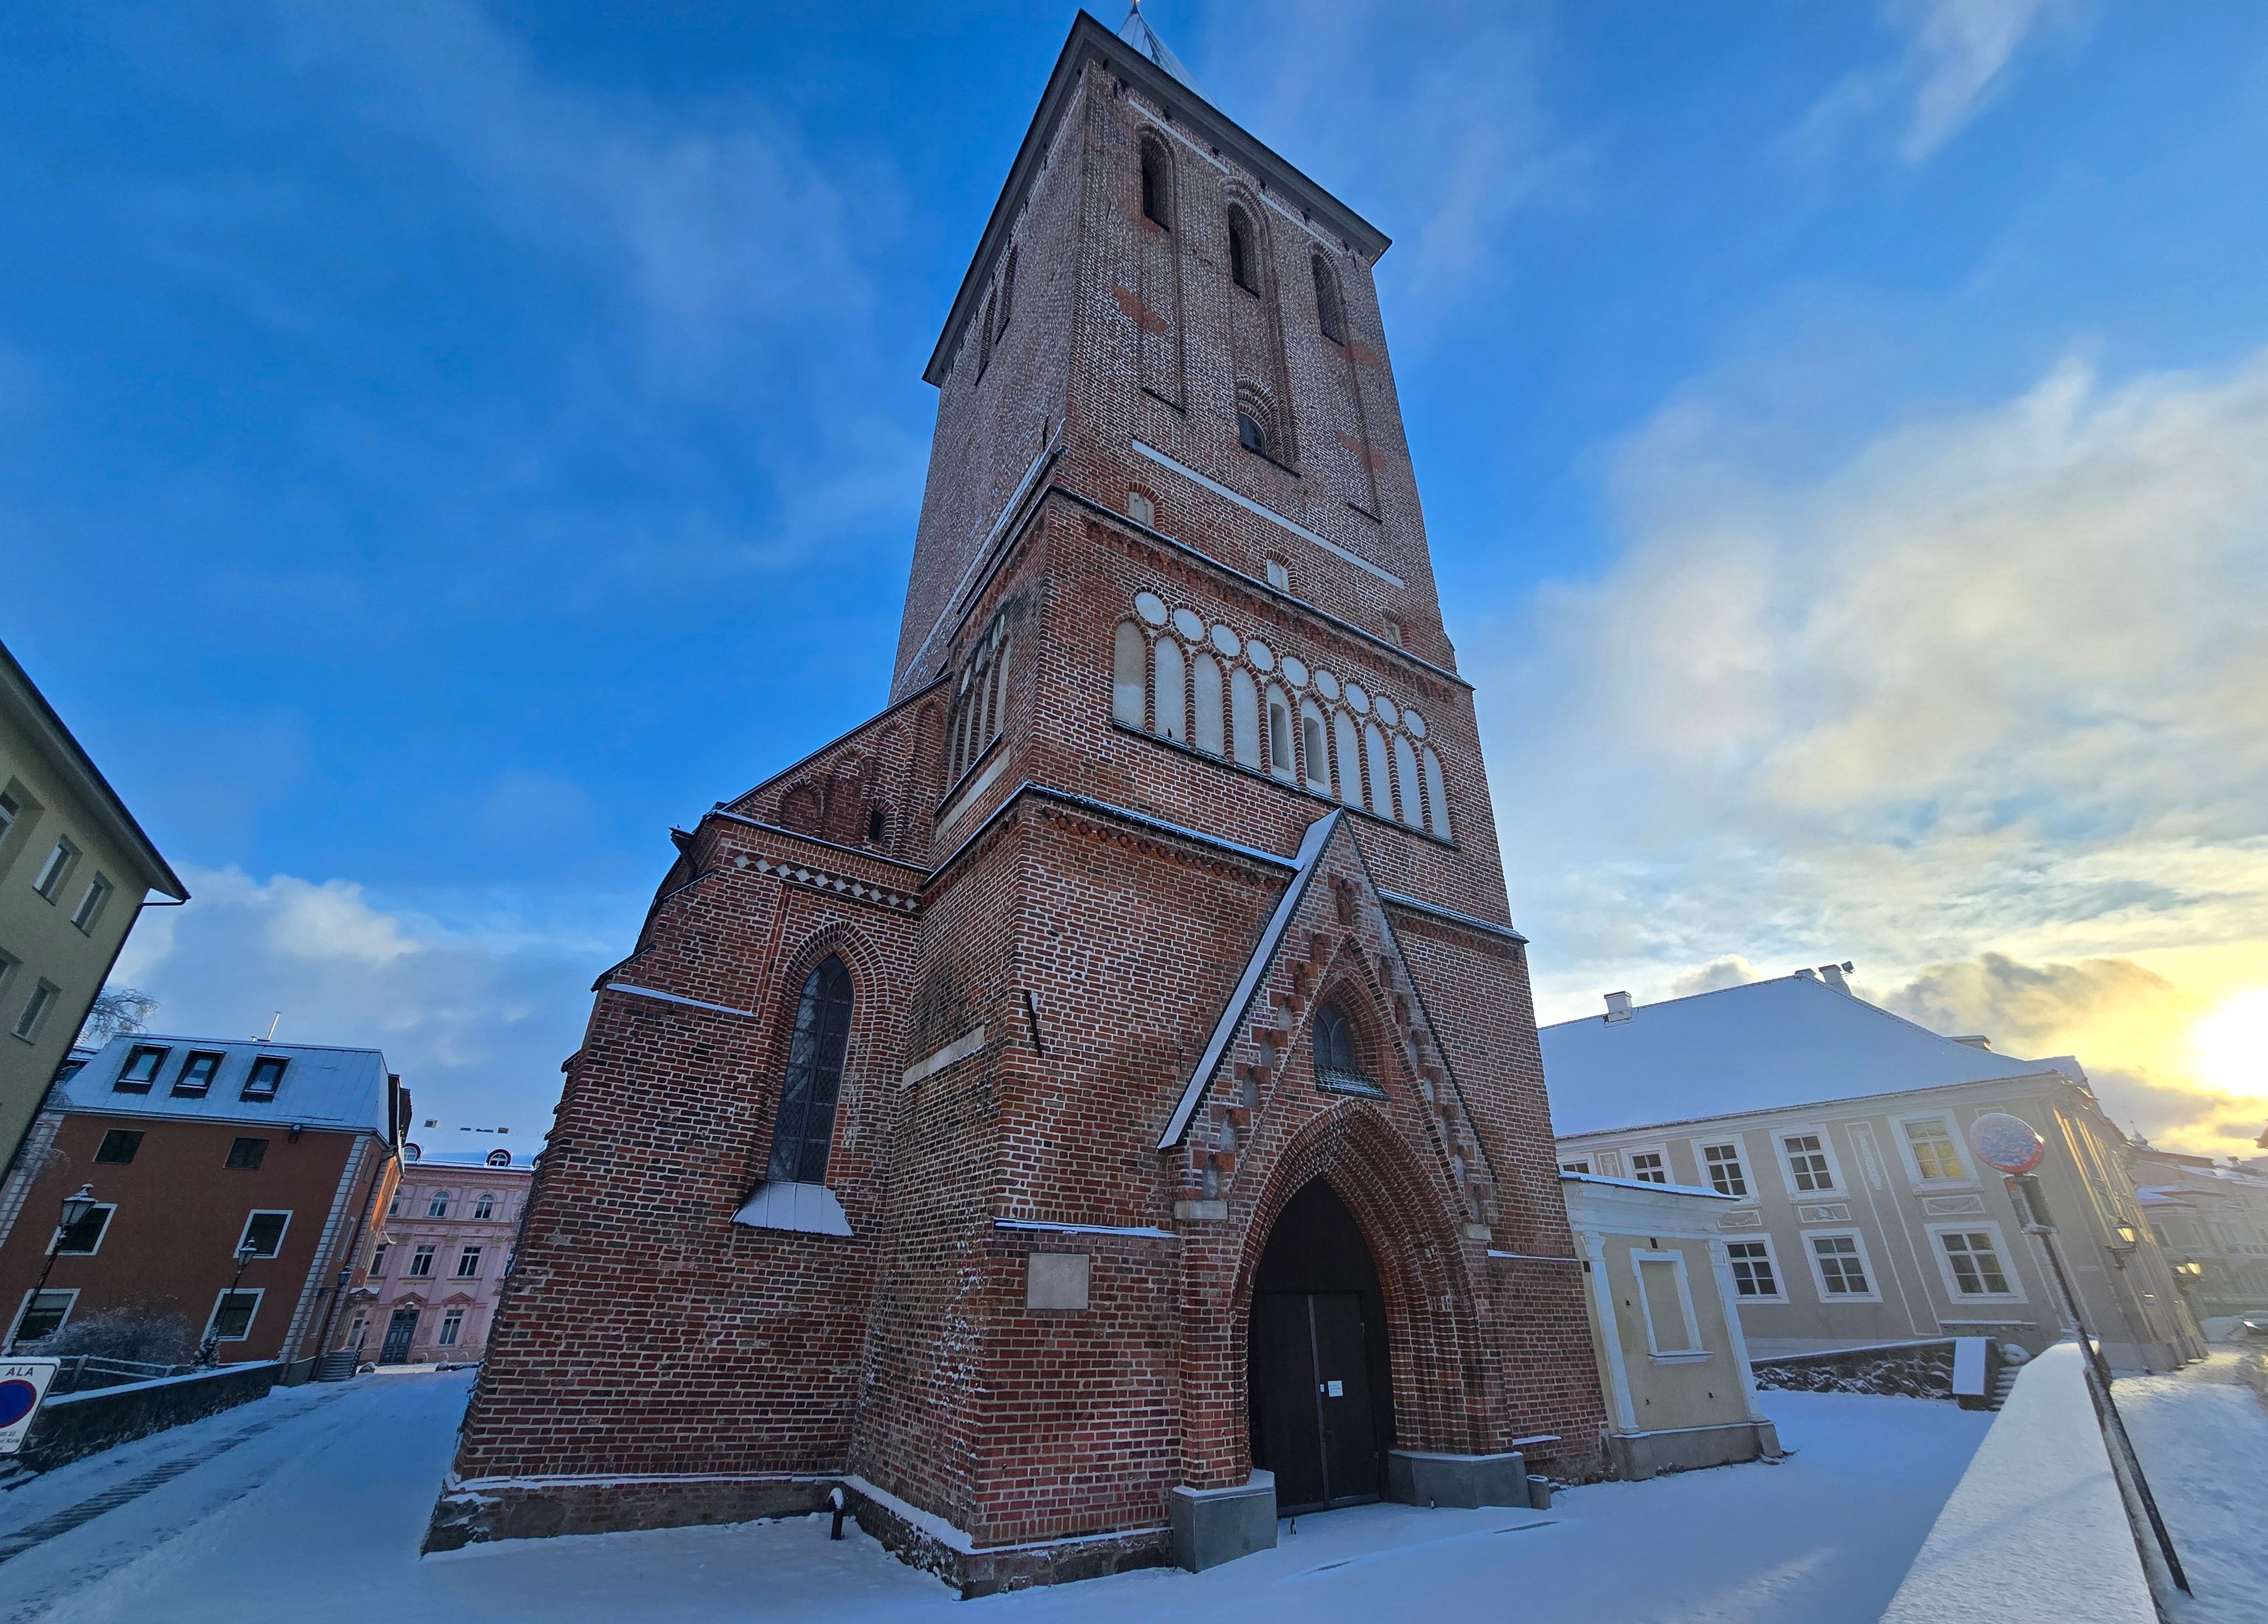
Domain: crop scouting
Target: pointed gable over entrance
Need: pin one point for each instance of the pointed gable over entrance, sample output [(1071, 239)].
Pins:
[(1329, 940)]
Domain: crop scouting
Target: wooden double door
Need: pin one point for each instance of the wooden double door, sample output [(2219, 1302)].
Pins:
[(1322, 1414)]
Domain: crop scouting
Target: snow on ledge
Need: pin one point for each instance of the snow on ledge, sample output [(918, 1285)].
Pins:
[(2036, 1528), (802, 1209)]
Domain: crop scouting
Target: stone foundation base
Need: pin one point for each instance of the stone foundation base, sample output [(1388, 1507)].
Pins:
[(1215, 1525), (538, 1507), (1638, 1456), (1465, 1481)]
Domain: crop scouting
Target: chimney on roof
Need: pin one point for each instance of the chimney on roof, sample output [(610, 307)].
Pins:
[(1833, 974), (1618, 1006)]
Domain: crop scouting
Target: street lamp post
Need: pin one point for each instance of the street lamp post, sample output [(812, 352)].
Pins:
[(208, 1355), (75, 1207)]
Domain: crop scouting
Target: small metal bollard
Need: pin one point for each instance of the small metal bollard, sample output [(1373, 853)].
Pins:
[(836, 1504)]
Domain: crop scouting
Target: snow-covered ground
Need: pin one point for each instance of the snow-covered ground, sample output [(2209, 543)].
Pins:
[(2204, 1441), (323, 1508)]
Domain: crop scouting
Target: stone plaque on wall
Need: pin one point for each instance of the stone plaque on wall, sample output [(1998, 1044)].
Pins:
[(1056, 1280)]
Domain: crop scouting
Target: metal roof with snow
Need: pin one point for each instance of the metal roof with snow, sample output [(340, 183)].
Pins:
[(340, 1089), (1764, 1046)]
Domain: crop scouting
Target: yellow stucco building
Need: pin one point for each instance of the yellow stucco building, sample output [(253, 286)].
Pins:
[(75, 872)]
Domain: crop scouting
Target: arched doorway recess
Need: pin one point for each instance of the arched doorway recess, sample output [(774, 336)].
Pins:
[(1320, 1381)]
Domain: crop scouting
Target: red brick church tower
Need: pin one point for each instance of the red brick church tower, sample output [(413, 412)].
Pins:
[(1094, 1106)]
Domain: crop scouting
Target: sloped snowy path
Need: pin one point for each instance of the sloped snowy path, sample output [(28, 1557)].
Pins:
[(326, 1508), (2204, 1441)]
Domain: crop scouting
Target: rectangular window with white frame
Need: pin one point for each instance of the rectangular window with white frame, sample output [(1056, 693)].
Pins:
[(8, 964), (469, 1263), (1840, 1267), (233, 1312), (35, 1010), (1578, 1164), (421, 1261), (451, 1323), (1755, 1271), (89, 906), (1808, 1157), (1666, 1301), (264, 1230), (55, 870), (1724, 1164), (1648, 1164), (83, 1239), (1933, 1150), (1972, 1259), (42, 1313)]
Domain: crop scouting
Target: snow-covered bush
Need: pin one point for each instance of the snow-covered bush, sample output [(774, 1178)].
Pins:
[(137, 1331)]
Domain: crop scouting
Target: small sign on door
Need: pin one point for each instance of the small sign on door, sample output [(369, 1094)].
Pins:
[(1334, 1389), (23, 1384)]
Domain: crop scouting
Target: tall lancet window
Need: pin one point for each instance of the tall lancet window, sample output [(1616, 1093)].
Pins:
[(806, 1130), (1329, 314), (1337, 1066)]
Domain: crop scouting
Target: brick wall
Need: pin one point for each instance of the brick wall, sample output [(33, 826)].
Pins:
[(1088, 894)]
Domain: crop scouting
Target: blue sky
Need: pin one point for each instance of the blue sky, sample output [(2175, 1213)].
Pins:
[(441, 445)]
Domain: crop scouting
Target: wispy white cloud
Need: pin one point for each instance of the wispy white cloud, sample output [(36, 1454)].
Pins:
[(475, 1010), (1957, 56), (1994, 682), (1471, 149)]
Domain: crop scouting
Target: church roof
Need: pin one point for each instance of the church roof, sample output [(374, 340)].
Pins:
[(1137, 31), (1765, 1046)]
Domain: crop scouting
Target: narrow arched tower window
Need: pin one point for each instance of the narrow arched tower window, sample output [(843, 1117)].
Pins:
[(805, 1132), (1130, 684), (1334, 1055), (1329, 314), (1008, 294), (1157, 185), (1243, 269)]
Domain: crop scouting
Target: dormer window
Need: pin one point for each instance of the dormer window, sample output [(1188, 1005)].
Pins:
[(140, 1068), (267, 1076), (197, 1074)]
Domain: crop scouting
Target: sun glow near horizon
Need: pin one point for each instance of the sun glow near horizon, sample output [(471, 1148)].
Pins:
[(2231, 1044)]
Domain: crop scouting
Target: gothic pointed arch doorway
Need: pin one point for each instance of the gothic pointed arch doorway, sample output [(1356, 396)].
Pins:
[(1320, 1382)]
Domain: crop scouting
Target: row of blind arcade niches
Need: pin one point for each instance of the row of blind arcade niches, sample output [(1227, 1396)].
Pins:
[(1211, 688)]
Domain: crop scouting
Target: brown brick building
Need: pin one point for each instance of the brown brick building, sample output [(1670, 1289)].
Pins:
[(191, 1148), (1095, 1104)]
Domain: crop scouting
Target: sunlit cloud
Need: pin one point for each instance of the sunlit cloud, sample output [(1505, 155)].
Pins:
[(1992, 684)]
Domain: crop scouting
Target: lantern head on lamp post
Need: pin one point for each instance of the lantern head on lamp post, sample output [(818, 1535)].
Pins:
[(75, 1207)]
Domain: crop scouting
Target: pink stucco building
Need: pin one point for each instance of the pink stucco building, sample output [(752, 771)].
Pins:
[(431, 1290)]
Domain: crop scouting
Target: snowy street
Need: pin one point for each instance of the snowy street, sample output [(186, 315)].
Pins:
[(327, 1497), (2204, 1441)]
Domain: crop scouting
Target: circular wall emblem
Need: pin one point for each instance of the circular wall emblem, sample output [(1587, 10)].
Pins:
[(16, 1401), (1226, 640), (1357, 700), (1415, 723), (1294, 672), (1151, 608), (1189, 625), (1260, 654), (2006, 1142), (1327, 685), (1387, 713)]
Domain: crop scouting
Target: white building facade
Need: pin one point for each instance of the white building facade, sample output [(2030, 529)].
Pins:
[(1857, 1213)]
